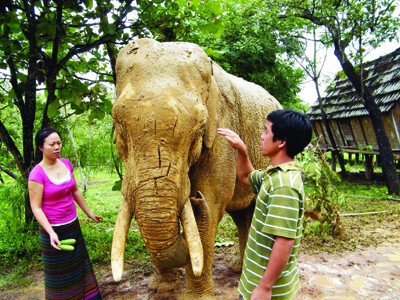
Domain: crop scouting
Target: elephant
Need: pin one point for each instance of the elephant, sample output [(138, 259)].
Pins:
[(180, 176)]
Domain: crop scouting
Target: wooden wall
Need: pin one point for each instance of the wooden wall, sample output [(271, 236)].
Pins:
[(357, 134)]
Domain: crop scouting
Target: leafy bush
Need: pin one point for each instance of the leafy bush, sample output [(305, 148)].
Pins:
[(323, 200), (12, 205)]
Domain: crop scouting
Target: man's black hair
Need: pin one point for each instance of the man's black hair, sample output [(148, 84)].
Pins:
[(293, 127)]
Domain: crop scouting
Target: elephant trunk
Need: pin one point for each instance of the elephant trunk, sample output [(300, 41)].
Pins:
[(158, 216)]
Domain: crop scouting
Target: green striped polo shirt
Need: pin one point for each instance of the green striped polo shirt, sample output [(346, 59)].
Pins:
[(279, 212)]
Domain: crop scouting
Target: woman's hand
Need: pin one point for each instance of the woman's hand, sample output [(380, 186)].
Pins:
[(94, 217), (54, 241)]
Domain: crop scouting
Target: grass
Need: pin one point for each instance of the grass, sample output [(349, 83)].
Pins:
[(98, 237), (374, 211), (20, 252)]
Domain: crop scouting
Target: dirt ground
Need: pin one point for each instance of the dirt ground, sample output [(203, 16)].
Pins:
[(371, 273)]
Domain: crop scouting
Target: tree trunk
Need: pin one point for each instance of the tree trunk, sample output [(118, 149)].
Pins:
[(388, 165)]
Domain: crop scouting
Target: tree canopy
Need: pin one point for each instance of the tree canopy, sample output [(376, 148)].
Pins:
[(351, 28), (58, 54), (58, 57)]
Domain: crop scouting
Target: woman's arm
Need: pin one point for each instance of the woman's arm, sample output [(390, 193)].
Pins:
[(80, 200), (35, 197)]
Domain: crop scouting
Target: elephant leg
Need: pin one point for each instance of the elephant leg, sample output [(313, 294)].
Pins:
[(202, 287), (164, 282), (242, 219)]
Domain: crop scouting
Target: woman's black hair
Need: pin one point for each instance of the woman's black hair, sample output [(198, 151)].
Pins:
[(293, 127), (39, 141)]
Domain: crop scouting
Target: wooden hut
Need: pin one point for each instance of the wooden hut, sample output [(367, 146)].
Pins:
[(349, 120)]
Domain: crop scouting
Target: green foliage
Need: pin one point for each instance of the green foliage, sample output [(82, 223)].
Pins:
[(12, 205), (323, 200), (173, 20), (94, 140), (359, 230), (105, 202), (251, 47), (19, 246), (7, 115), (19, 242), (227, 231)]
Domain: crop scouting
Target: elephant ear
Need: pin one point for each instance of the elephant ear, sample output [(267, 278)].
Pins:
[(214, 97)]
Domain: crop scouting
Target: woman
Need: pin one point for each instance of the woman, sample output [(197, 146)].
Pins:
[(52, 192)]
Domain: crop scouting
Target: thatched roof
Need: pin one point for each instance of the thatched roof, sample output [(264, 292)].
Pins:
[(381, 76)]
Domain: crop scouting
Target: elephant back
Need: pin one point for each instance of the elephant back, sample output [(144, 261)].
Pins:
[(249, 105)]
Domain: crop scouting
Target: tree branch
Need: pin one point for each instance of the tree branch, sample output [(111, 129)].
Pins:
[(9, 142), (8, 172)]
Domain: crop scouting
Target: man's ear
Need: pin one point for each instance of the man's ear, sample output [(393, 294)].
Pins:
[(282, 143)]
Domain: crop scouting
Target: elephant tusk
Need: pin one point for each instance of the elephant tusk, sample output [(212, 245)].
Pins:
[(192, 237), (119, 239)]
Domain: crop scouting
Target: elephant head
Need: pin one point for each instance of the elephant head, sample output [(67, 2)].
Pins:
[(163, 118)]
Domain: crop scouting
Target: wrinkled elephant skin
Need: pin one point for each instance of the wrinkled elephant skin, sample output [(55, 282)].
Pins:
[(171, 98)]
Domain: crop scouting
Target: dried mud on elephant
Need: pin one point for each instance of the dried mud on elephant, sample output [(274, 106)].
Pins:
[(180, 174)]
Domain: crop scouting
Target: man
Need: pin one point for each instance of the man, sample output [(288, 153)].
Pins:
[(270, 265)]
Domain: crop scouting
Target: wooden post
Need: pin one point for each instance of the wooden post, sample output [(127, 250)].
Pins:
[(333, 162), (369, 166)]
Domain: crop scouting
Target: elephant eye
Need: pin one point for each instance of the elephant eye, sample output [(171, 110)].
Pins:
[(196, 146), (197, 133)]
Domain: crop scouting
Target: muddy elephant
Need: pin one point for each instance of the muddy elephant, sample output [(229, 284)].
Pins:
[(180, 176)]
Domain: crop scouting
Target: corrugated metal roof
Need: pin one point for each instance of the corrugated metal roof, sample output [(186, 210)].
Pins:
[(381, 76)]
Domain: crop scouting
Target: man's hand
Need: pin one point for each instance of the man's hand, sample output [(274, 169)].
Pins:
[(243, 163), (233, 138)]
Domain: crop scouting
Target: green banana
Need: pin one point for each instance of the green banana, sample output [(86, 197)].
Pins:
[(68, 242), (66, 247)]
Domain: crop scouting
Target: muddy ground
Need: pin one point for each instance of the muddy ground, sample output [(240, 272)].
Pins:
[(370, 273)]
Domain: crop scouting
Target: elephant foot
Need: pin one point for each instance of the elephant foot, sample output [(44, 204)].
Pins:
[(164, 282), (191, 296), (198, 288)]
